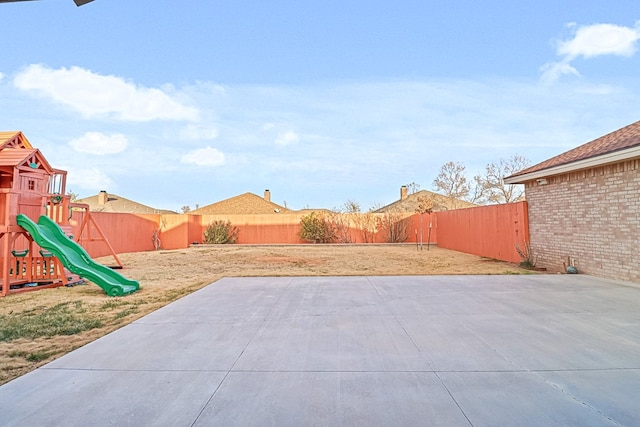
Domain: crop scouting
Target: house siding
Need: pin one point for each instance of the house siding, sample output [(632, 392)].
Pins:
[(592, 216)]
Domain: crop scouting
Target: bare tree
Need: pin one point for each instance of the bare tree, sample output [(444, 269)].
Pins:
[(412, 187), (477, 191), (452, 182), (393, 225), (347, 219), (185, 209), (342, 220), (492, 183), (366, 224), (72, 196), (341, 223), (363, 222), (425, 206), (350, 206)]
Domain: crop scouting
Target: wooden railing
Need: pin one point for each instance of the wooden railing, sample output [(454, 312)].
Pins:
[(42, 268)]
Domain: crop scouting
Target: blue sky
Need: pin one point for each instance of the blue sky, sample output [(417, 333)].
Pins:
[(183, 103)]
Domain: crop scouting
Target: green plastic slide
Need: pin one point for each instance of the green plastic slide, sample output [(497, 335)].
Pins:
[(49, 236)]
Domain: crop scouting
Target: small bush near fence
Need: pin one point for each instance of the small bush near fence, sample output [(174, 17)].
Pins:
[(219, 232), (394, 226), (315, 228), (527, 259)]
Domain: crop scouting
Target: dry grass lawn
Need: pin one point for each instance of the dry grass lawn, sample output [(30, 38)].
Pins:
[(64, 319)]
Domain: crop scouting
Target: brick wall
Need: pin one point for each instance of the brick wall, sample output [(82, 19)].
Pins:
[(592, 216)]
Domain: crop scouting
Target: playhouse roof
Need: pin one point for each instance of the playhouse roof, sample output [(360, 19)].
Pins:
[(24, 157), (243, 204), (14, 139), (622, 144)]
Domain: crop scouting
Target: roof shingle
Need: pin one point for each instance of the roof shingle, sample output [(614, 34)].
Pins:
[(115, 203), (243, 204), (627, 137), (14, 139), (410, 203)]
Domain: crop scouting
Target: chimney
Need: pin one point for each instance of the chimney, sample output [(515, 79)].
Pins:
[(103, 197), (267, 195), (403, 192)]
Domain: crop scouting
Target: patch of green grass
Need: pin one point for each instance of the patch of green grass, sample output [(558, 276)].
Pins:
[(174, 294), (38, 356), (125, 313), (68, 318), (114, 303), (521, 272), (18, 353)]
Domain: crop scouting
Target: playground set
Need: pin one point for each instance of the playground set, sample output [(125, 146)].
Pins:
[(37, 247)]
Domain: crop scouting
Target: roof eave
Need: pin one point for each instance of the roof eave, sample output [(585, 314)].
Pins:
[(605, 159)]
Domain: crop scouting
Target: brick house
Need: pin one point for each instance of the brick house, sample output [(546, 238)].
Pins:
[(584, 205)]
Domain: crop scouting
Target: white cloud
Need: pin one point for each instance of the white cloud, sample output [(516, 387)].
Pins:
[(99, 143), (287, 138), (554, 70), (601, 39), (96, 95), (199, 132), (590, 41), (349, 132), (204, 157), (1, 76), (90, 179)]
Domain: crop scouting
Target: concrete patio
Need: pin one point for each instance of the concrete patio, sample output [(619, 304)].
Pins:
[(540, 350)]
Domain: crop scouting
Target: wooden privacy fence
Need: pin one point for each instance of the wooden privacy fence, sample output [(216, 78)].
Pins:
[(490, 231)]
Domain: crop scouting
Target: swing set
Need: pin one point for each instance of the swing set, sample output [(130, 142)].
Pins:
[(31, 187)]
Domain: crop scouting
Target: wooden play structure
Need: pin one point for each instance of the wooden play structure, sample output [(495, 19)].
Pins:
[(31, 189)]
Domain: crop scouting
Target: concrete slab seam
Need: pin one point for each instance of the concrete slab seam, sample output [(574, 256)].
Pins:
[(239, 356)]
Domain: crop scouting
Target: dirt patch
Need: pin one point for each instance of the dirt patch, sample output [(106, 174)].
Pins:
[(165, 276)]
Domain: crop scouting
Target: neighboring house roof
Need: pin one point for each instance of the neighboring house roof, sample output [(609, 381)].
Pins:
[(244, 204), (104, 202), (307, 211), (620, 145), (409, 203), (14, 139)]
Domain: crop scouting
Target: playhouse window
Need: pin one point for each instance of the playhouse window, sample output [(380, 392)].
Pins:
[(31, 184)]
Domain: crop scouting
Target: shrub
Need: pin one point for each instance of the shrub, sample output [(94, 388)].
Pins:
[(527, 259), (394, 227), (316, 229), (367, 224), (219, 232), (341, 223)]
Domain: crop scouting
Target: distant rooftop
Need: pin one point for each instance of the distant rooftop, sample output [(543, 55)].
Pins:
[(409, 202), (105, 202), (243, 204)]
